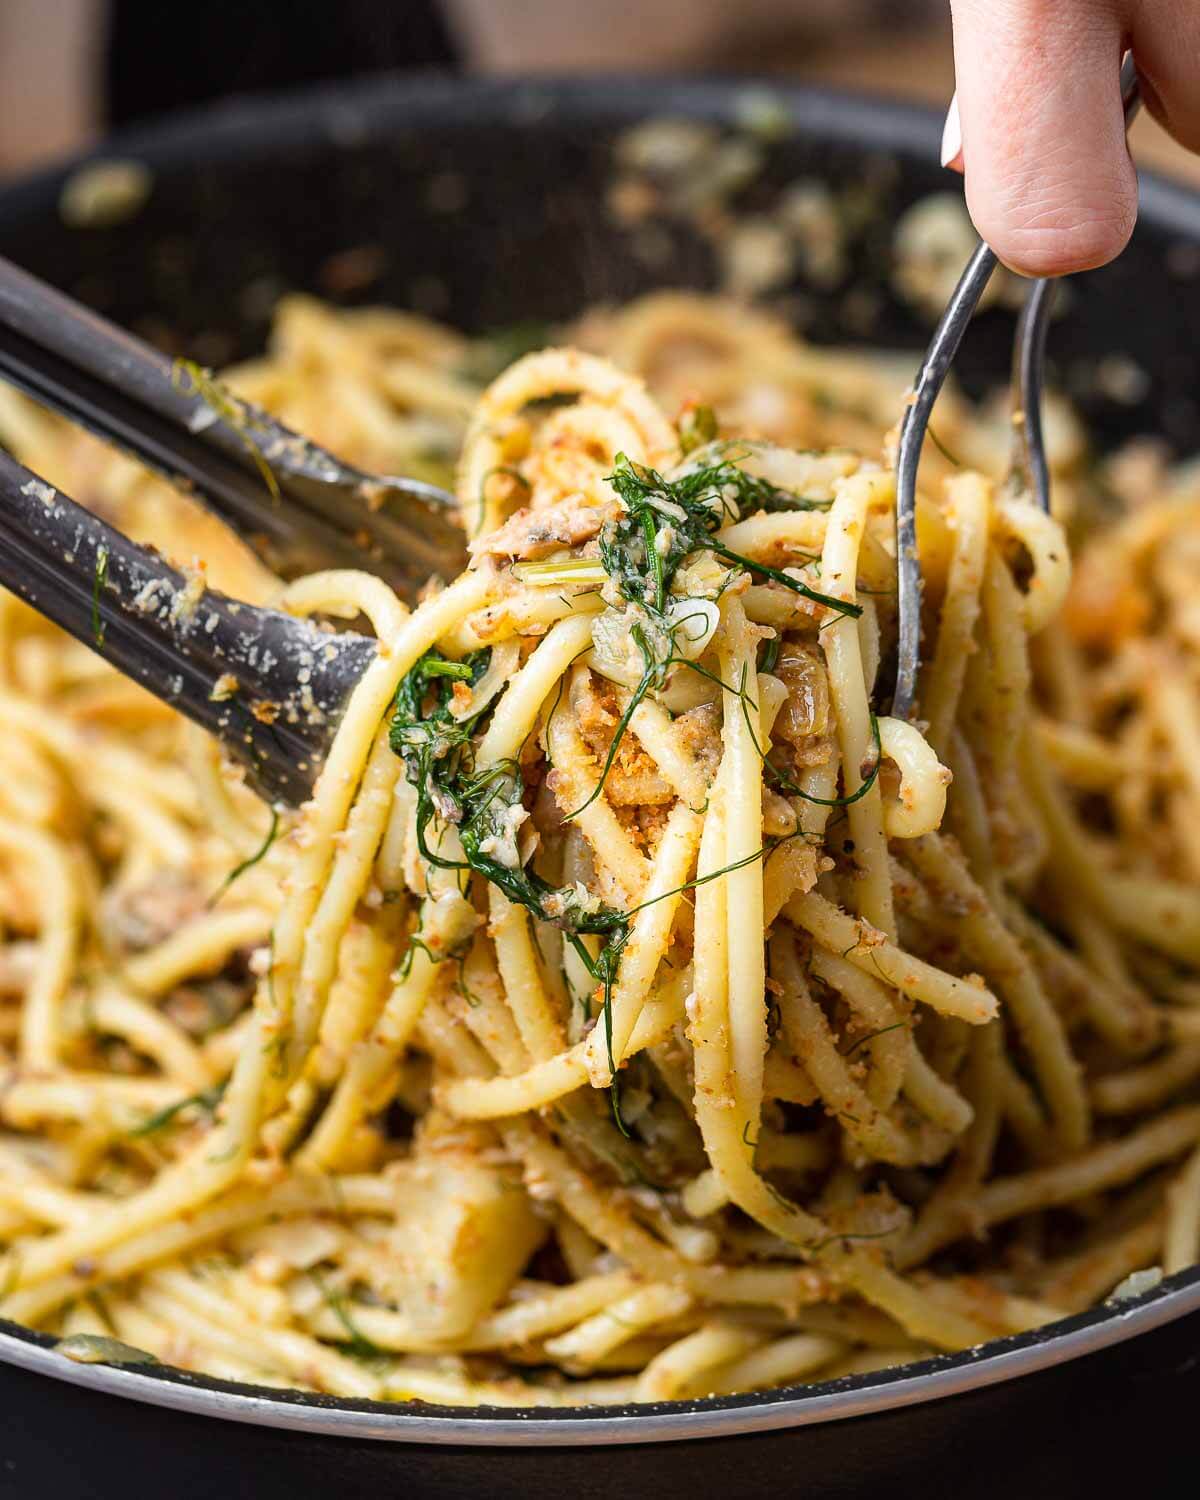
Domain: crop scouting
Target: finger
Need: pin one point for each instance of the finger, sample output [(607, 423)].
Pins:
[(1050, 183), (1166, 48)]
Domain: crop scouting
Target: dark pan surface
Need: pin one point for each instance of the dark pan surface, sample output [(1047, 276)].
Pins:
[(261, 197), (485, 203)]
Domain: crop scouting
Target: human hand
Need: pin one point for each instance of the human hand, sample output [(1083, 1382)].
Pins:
[(1038, 124)]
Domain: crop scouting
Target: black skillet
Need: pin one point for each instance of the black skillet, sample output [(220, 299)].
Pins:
[(260, 197)]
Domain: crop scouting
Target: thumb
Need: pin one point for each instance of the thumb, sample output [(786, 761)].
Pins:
[(1050, 183)]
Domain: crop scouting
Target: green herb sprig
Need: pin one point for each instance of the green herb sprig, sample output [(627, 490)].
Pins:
[(193, 379), (249, 863), (206, 1100), (99, 578), (358, 1344), (661, 523), (665, 520)]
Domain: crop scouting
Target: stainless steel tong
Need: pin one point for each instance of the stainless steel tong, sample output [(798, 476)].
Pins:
[(1029, 472), (270, 687)]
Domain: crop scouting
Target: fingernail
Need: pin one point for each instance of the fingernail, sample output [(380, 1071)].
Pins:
[(952, 135)]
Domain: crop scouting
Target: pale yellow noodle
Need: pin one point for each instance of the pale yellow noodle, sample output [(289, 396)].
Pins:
[(370, 1094)]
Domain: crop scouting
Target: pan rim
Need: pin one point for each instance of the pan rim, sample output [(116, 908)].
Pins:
[(999, 1361)]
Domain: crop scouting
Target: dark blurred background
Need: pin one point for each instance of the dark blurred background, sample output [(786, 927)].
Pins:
[(71, 69)]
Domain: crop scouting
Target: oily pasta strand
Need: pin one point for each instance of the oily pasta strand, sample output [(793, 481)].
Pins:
[(636, 999)]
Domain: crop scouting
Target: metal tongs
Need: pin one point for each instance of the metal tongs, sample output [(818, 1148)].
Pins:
[(297, 506), (1029, 473)]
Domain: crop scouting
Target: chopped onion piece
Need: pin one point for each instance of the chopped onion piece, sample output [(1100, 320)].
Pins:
[(615, 654), (1136, 1283), (503, 664), (692, 623), (96, 1349), (686, 690)]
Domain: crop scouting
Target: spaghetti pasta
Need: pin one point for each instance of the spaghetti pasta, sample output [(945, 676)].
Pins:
[(636, 1011)]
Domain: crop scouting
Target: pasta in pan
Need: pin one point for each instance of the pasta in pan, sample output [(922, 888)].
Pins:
[(636, 1012)]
